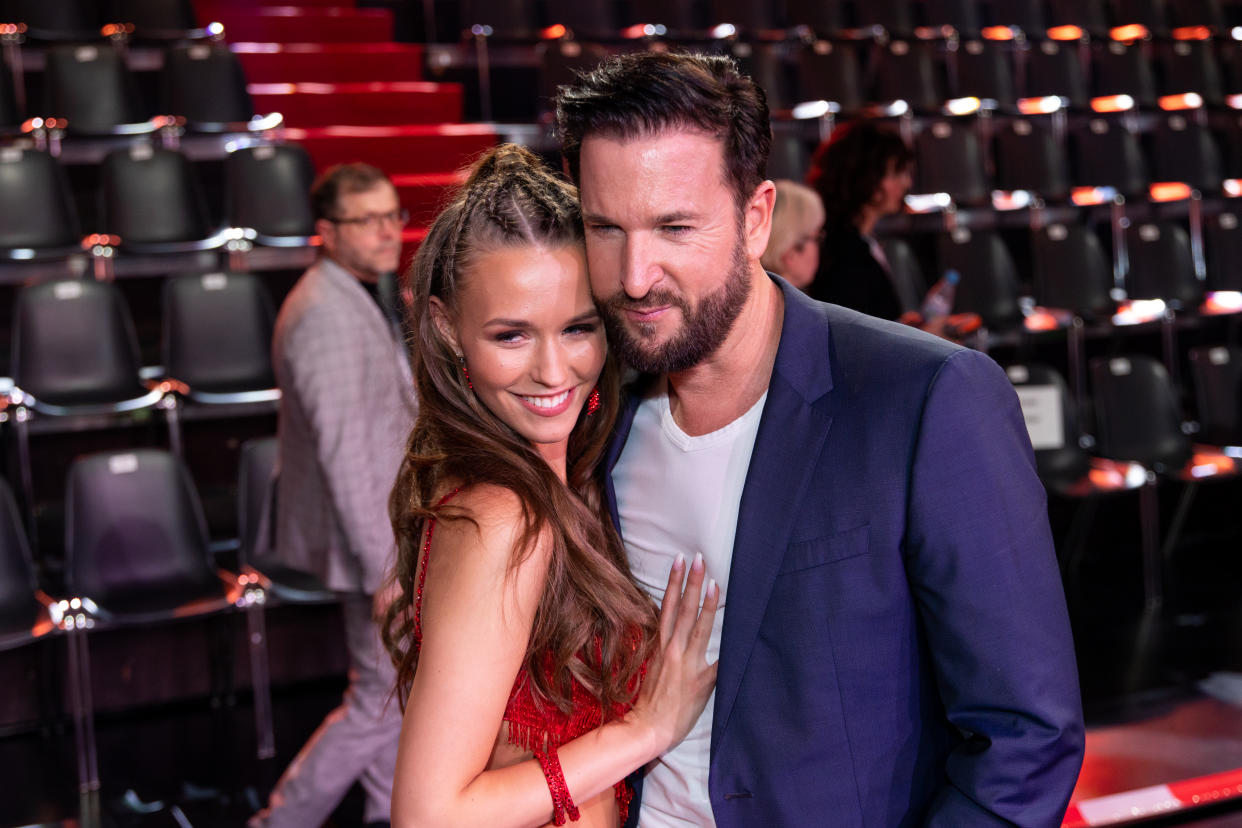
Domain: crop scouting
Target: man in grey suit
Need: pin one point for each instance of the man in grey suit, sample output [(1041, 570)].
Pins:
[(348, 406)]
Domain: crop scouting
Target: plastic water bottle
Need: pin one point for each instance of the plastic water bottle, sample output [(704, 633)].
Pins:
[(939, 300)]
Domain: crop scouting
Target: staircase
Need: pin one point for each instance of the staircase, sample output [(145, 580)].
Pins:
[(349, 93)]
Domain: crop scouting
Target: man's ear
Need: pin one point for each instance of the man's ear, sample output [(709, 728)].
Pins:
[(758, 216), (326, 231), (442, 318)]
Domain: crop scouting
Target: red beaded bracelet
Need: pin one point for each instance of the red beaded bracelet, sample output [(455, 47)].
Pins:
[(562, 803)]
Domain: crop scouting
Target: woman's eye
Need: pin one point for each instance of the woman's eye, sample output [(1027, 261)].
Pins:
[(508, 336), (583, 328)]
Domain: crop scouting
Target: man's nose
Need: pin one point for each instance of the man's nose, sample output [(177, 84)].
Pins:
[(639, 270)]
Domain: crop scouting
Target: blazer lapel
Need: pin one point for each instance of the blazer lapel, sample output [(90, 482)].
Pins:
[(787, 451)]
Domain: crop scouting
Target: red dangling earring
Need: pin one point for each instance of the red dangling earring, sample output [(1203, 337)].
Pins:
[(593, 401), (462, 359)]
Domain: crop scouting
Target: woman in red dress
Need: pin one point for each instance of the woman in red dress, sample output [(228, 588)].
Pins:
[(535, 674)]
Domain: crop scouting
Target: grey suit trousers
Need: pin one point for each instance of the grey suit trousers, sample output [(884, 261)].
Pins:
[(358, 740)]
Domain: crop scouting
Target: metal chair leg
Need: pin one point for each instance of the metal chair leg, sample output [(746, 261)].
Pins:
[(1149, 525), (82, 709), (260, 677), (20, 420)]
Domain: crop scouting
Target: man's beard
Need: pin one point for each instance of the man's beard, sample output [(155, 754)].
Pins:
[(704, 328)]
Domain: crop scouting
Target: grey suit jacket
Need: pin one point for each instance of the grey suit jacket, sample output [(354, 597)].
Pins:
[(346, 412)]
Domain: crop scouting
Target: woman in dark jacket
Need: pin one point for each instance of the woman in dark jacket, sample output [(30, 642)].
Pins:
[(862, 173)]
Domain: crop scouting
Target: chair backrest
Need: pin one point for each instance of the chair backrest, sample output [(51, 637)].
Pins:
[(90, 86), (897, 16), (269, 190), (829, 71), (1137, 414), (984, 71), (908, 278), (1053, 69), (166, 18), (583, 17), (1197, 13), (560, 62), (506, 17), (218, 332), (1123, 69), (1087, 14), (205, 84), (1190, 66), (1106, 154), (1150, 13), (255, 483), (1071, 270), (1052, 421), (1027, 15), (962, 15), (1161, 265), (908, 71), (677, 15), (35, 202), (133, 522), (17, 576), (53, 20), (1217, 374), (1224, 252), (819, 15), (989, 284), (74, 344), (950, 160), (1185, 151), (1028, 158), (151, 195), (749, 17)]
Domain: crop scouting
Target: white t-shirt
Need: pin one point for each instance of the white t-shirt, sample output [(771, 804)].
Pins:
[(678, 493)]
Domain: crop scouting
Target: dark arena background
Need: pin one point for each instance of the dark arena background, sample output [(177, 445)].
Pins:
[(1078, 162)]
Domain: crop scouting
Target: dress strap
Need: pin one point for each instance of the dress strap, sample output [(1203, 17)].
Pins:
[(422, 573)]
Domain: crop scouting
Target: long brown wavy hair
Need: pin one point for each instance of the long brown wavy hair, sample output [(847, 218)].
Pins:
[(592, 623)]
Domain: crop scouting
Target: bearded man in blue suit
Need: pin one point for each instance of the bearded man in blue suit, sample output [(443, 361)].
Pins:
[(893, 640)]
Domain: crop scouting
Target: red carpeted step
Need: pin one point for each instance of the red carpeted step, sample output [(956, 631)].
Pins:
[(330, 62), (312, 24), (404, 149), (372, 104), (425, 194)]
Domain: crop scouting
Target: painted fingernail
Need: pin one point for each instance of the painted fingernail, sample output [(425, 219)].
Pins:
[(679, 561), (712, 587), (698, 560)]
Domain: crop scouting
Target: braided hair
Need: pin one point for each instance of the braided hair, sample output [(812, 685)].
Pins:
[(592, 621)]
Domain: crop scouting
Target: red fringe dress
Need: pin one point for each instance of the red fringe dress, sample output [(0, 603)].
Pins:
[(532, 726)]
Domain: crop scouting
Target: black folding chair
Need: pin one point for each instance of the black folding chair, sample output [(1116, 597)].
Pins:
[(136, 550), (1028, 157), (91, 88), (1138, 418), (950, 160), (152, 199), (40, 220), (1216, 373), (989, 284), (75, 362)]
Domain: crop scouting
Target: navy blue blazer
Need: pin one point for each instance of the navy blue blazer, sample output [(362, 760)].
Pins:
[(896, 648)]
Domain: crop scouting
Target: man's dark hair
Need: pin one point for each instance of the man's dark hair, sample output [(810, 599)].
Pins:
[(643, 93), (338, 179), (847, 169)]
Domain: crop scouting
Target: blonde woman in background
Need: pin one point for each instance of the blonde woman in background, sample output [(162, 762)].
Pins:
[(797, 229)]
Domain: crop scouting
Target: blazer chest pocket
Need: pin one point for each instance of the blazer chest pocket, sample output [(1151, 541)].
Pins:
[(820, 551)]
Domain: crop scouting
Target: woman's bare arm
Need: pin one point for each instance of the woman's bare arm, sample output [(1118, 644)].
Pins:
[(476, 620)]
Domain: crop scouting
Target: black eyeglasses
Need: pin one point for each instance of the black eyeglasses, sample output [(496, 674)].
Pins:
[(374, 221)]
